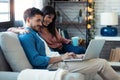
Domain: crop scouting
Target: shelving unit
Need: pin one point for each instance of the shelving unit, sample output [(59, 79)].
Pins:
[(72, 19), (70, 15)]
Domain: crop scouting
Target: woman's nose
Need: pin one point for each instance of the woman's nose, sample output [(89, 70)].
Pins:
[(50, 20)]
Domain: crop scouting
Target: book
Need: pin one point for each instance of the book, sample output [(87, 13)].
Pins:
[(65, 34), (115, 55)]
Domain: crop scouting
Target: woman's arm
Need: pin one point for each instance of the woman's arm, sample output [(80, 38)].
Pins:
[(19, 30)]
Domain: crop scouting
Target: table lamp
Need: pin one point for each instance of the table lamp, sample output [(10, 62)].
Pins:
[(109, 20)]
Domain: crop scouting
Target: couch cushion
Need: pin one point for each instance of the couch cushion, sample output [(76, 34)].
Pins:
[(4, 66), (13, 51), (8, 75)]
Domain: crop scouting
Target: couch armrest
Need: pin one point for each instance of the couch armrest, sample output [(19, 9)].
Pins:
[(8, 75)]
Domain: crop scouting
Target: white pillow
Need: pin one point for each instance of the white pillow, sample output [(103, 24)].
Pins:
[(13, 51)]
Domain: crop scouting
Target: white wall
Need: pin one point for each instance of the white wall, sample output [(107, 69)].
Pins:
[(41, 3), (45, 2), (38, 4)]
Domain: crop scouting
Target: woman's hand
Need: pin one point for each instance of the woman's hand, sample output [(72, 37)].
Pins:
[(19, 30), (23, 31)]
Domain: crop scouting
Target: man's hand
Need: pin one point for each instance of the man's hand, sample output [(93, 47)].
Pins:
[(69, 55), (80, 56)]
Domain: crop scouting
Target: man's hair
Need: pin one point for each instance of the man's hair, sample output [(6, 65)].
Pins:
[(31, 12)]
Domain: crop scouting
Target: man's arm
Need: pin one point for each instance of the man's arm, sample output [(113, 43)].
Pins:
[(36, 58), (39, 58), (62, 57)]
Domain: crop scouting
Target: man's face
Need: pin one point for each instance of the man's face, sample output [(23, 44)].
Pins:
[(36, 22)]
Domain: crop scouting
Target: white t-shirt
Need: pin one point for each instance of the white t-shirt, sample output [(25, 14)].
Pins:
[(49, 53)]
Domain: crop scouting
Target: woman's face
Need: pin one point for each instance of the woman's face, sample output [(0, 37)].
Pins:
[(48, 19)]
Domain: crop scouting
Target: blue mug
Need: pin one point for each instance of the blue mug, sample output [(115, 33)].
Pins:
[(75, 41)]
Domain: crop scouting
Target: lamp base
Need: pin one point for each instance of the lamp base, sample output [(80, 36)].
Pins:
[(109, 31)]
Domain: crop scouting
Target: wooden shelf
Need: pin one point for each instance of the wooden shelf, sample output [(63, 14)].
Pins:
[(70, 1), (114, 64), (116, 38), (71, 23)]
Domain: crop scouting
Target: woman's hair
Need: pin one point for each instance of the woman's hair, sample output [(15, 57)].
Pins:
[(48, 10)]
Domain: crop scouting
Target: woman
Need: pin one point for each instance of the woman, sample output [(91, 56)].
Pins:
[(50, 34)]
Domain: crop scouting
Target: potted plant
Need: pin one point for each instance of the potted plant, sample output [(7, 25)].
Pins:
[(80, 16), (59, 17)]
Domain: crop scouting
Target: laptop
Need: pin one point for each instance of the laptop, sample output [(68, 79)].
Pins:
[(93, 50)]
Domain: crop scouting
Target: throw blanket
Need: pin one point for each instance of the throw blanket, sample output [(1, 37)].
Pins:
[(40, 74)]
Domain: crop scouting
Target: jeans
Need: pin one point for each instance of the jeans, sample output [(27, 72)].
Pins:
[(71, 48), (90, 67)]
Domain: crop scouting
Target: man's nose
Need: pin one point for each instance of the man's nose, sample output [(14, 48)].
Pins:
[(40, 23)]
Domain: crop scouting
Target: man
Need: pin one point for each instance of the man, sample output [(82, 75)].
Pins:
[(41, 57)]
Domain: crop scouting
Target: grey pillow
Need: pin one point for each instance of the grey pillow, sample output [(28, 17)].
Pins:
[(13, 51)]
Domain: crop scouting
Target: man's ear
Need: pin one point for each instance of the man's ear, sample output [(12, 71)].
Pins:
[(28, 20)]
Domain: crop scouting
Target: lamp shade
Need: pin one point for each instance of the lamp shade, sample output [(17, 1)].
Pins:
[(109, 19)]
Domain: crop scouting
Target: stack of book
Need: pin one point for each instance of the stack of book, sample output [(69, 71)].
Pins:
[(115, 55), (64, 33)]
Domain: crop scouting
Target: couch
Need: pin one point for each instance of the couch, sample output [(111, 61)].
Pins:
[(13, 59)]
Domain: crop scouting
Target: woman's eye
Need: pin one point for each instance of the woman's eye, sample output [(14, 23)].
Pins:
[(49, 17)]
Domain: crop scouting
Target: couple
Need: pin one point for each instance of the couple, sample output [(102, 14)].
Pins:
[(41, 57), (50, 34)]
